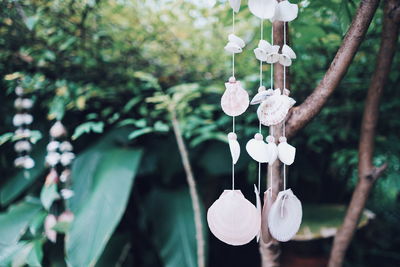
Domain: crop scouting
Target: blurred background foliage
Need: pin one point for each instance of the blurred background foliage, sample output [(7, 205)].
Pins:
[(113, 70)]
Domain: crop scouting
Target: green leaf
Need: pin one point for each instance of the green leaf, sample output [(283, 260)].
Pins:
[(48, 195), (171, 218), (15, 221), (6, 137), (87, 127), (35, 256), (30, 22), (137, 133), (97, 219)]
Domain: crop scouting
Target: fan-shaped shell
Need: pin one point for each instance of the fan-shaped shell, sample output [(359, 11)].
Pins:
[(258, 206), (236, 40), (286, 153), (260, 54), (233, 48), (274, 109), (272, 152), (257, 149), (286, 11), (265, 45), (260, 97), (234, 147), (285, 60), (265, 235), (233, 219), (287, 50), (235, 100), (264, 9), (285, 216), (235, 5)]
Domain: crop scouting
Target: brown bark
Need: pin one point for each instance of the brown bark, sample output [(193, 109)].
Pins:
[(302, 114), (367, 172)]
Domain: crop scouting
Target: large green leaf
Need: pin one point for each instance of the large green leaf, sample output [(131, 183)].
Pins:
[(171, 219), (98, 217), (15, 221)]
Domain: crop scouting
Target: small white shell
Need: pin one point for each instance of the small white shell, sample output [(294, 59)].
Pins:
[(22, 133), (285, 60), (257, 149), (272, 152), (235, 100), (286, 11), (65, 146), (29, 163), (66, 158), (49, 223), (286, 153), (285, 216), (22, 146), (264, 9), (23, 103), (27, 118), (235, 5), (260, 54), (233, 48), (265, 45), (234, 147), (236, 40), (260, 97), (287, 50), (53, 158), (58, 130), (274, 109), (265, 235), (258, 206), (53, 146), (233, 219), (66, 193), (18, 120)]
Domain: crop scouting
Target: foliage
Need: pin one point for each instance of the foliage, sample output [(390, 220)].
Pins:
[(114, 70)]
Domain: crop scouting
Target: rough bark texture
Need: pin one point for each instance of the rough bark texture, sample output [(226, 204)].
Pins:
[(192, 190), (367, 172), (302, 114)]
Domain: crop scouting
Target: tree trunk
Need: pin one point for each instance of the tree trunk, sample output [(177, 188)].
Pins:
[(367, 173)]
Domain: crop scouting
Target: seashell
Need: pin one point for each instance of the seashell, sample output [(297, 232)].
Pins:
[(233, 48), (52, 177), (286, 11), (27, 118), (66, 146), (49, 223), (285, 60), (288, 51), (286, 153), (25, 162), (65, 175), (265, 235), (285, 216), (258, 207), (66, 193), (58, 130), (236, 40), (257, 149), (275, 108), (235, 100), (67, 216), (273, 55), (263, 9), (21, 146), (234, 147), (233, 219), (265, 45), (260, 54), (67, 158), (261, 96), (22, 133), (53, 146), (53, 158), (19, 90), (272, 152), (235, 5), (27, 103), (18, 120)]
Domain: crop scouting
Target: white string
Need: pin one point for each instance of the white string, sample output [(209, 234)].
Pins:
[(233, 164), (284, 87), (233, 118), (261, 82)]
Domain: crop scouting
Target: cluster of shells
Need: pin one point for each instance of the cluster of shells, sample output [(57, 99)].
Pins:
[(22, 120)]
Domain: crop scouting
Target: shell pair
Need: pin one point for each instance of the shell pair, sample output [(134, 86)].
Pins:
[(268, 153), (235, 44), (274, 11), (270, 53), (233, 219)]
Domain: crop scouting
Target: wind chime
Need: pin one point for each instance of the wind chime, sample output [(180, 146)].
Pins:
[(232, 218)]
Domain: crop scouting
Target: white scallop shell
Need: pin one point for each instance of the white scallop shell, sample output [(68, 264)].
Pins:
[(258, 206), (275, 108), (235, 100), (286, 153), (234, 147), (233, 219), (233, 48), (285, 60), (265, 235), (272, 152), (235, 5), (286, 11), (285, 216), (260, 97), (264, 9), (236, 40), (287, 50), (257, 149), (260, 54), (265, 45)]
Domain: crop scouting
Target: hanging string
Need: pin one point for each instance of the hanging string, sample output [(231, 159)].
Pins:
[(261, 83), (284, 87), (271, 130), (233, 164), (233, 118)]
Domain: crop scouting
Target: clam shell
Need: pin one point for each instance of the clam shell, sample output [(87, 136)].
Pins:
[(286, 153), (274, 109), (287, 50), (285, 216), (265, 45), (233, 219), (236, 40), (233, 48), (234, 147), (235, 100), (272, 152), (272, 58), (258, 206), (260, 97), (264, 9), (286, 11), (257, 149), (260, 54), (265, 235), (235, 5), (285, 60)]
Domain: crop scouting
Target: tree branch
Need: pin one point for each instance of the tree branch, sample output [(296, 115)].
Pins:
[(192, 189), (367, 173), (304, 113)]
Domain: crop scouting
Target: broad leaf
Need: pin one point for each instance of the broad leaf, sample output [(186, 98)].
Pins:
[(97, 219)]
